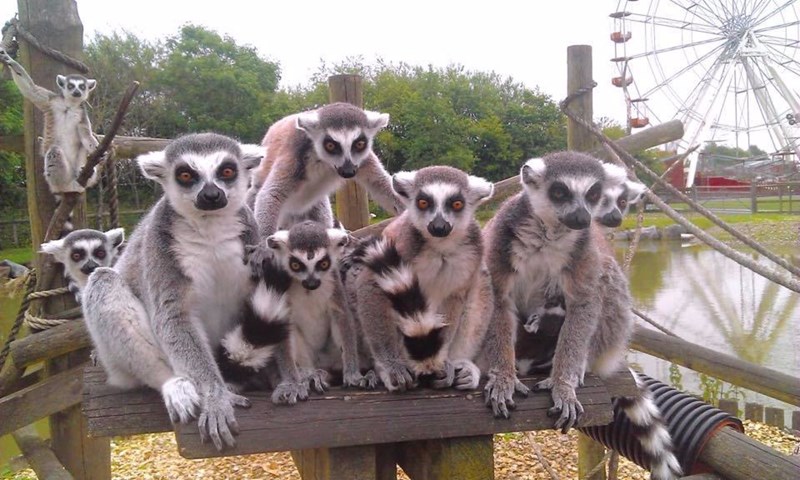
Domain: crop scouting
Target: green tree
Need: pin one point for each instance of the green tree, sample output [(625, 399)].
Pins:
[(12, 165)]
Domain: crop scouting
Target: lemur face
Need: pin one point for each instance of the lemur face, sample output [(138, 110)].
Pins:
[(619, 194), (441, 200), (309, 252), (566, 187), (342, 134), (82, 251), (75, 87), (202, 173)]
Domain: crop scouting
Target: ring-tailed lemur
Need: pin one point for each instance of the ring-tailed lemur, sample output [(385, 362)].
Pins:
[(312, 304), (423, 296), (553, 251), (309, 156), (67, 137), (83, 251), (157, 317), (618, 195)]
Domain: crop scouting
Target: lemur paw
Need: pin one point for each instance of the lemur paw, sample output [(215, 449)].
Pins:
[(468, 375), (217, 420), (532, 324), (396, 377), (565, 403), (499, 392), (316, 379), (181, 399), (446, 377), (355, 379), (370, 380), (288, 393)]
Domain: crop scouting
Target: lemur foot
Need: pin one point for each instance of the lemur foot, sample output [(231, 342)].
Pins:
[(396, 377), (446, 377), (217, 419), (468, 375), (357, 380), (532, 324), (499, 392), (315, 378), (288, 393), (181, 399), (565, 403)]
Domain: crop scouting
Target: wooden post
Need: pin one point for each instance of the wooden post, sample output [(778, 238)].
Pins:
[(56, 23), (774, 416), (352, 204), (579, 75), (729, 406), (464, 458), (754, 412)]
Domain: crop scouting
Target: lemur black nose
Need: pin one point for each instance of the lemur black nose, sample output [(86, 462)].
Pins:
[(577, 219), (89, 267), (76, 93), (439, 227), (612, 219), (211, 197), (348, 170), (311, 283)]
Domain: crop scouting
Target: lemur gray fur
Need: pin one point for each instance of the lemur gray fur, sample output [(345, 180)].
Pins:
[(556, 254), (157, 317), (309, 156), (68, 137), (83, 251), (421, 291)]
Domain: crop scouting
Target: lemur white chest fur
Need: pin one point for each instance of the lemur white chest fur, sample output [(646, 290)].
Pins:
[(309, 313), (210, 254), (321, 180), (443, 271)]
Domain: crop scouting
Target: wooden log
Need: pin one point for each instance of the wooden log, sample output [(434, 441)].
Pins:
[(50, 343), (729, 406), (735, 456), (132, 147), (39, 456), (53, 394), (725, 367), (774, 416), (579, 76), (467, 458), (754, 412), (352, 203), (12, 143)]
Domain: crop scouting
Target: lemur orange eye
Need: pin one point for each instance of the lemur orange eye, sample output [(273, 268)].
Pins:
[(227, 173), (99, 253), (295, 265), (324, 264), (76, 256), (185, 177), (623, 202), (422, 204), (457, 205), (330, 146), (359, 145)]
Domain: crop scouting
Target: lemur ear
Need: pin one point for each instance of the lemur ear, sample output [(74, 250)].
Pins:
[(117, 236), (338, 237), (61, 81), (376, 121), (91, 83), (152, 165), (480, 189), (532, 173), (54, 248), (278, 240), (307, 121), (402, 182), (252, 155), (615, 175), (636, 191)]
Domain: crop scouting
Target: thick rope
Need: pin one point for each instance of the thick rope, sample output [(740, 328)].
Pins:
[(113, 194), (600, 465), (537, 450), (38, 323), (30, 282), (18, 30), (613, 465), (652, 322)]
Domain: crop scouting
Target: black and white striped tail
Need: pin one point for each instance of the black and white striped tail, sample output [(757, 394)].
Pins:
[(264, 324), (651, 431)]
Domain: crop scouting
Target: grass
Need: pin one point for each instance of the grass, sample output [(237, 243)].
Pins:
[(21, 255), (660, 220)]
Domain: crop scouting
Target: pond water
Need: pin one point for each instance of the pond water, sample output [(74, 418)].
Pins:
[(699, 294)]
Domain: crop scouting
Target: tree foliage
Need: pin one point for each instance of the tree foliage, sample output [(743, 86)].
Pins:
[(12, 170)]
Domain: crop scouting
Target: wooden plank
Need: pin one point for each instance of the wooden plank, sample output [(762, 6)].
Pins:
[(357, 463), (725, 367), (774, 416), (50, 343), (53, 394), (465, 458), (735, 456), (352, 203), (383, 417), (110, 411), (39, 456), (754, 412)]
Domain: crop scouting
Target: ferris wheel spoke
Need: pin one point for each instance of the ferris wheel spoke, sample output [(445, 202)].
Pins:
[(683, 70), (775, 27), (785, 61), (693, 9), (773, 13), (677, 47), (671, 23)]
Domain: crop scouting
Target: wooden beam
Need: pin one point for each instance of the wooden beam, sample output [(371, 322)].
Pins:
[(781, 386), (736, 456), (50, 343), (132, 147), (53, 394), (352, 203), (39, 456), (464, 458), (335, 463)]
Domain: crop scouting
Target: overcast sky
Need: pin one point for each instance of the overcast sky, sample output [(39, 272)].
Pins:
[(526, 40)]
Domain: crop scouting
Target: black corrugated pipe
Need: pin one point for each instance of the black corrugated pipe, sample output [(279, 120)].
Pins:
[(691, 422)]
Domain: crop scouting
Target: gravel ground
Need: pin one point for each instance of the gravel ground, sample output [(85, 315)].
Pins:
[(777, 233), (155, 457)]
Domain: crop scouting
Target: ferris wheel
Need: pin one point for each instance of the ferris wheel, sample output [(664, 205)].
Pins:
[(728, 69)]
